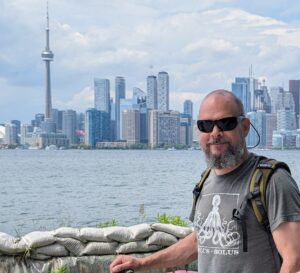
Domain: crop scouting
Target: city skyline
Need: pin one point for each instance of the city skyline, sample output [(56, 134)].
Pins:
[(202, 45)]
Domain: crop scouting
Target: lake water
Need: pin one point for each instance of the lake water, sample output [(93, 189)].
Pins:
[(42, 190)]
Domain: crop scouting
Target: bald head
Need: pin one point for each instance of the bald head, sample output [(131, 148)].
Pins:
[(223, 98)]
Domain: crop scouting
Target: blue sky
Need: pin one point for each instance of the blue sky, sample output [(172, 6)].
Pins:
[(202, 44)]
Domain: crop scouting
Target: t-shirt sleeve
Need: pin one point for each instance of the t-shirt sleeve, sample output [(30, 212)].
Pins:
[(283, 199)]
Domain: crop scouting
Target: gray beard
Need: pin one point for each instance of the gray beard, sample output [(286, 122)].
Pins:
[(230, 158)]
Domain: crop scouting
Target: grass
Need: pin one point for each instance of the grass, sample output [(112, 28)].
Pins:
[(110, 223), (170, 219), (62, 269)]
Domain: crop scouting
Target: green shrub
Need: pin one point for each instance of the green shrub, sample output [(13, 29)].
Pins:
[(62, 269), (110, 223), (170, 219)]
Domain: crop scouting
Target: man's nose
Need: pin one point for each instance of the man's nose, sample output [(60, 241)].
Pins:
[(216, 131)]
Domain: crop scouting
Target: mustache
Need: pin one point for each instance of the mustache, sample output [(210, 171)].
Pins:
[(217, 141)]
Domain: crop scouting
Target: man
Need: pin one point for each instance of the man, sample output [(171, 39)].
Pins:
[(217, 241)]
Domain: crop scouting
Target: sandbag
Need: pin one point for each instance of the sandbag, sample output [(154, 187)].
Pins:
[(37, 256), (67, 232), (54, 250), (93, 235), (161, 238), (100, 248), (37, 239), (76, 247), (11, 245), (136, 247), (119, 234), (141, 231), (179, 232)]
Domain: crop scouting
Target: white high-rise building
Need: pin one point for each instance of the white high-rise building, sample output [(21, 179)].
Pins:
[(163, 91), (11, 134)]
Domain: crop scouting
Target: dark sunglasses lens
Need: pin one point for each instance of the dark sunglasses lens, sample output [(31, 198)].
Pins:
[(227, 124), (205, 126)]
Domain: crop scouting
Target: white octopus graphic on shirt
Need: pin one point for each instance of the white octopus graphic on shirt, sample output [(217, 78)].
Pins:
[(221, 233)]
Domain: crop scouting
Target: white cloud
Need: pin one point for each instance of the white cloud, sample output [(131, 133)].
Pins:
[(80, 101), (201, 44)]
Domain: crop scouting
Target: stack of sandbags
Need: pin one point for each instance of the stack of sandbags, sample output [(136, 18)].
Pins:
[(67, 241)]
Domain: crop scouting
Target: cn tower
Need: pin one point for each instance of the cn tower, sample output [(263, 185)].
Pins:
[(47, 57)]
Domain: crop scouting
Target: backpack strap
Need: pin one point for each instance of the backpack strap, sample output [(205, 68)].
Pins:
[(258, 187), (196, 192), (264, 168)]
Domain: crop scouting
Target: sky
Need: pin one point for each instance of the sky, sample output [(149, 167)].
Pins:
[(202, 44)]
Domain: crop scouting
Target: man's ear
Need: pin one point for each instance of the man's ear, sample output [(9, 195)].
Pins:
[(246, 126)]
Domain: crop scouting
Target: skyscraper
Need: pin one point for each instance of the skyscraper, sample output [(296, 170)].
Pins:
[(286, 118), (262, 100), (97, 126), (131, 126), (102, 94), (47, 57), (294, 88), (119, 94), (163, 91), (188, 108), (69, 125), (241, 88), (164, 128), (151, 92)]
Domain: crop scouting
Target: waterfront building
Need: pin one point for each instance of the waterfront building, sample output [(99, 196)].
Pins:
[(2, 133), (41, 140), (152, 92), (69, 123), (271, 125), (274, 91), (113, 126), (186, 130), (38, 119), (48, 126), (11, 134), (286, 118), (258, 120), (57, 117), (164, 128), (26, 132), (188, 108), (294, 88), (243, 88), (131, 126), (163, 91), (140, 103), (133, 103), (286, 139), (102, 94), (262, 100), (18, 127), (97, 126), (119, 94), (80, 121)]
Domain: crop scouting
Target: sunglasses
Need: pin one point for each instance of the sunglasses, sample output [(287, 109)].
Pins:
[(224, 124)]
